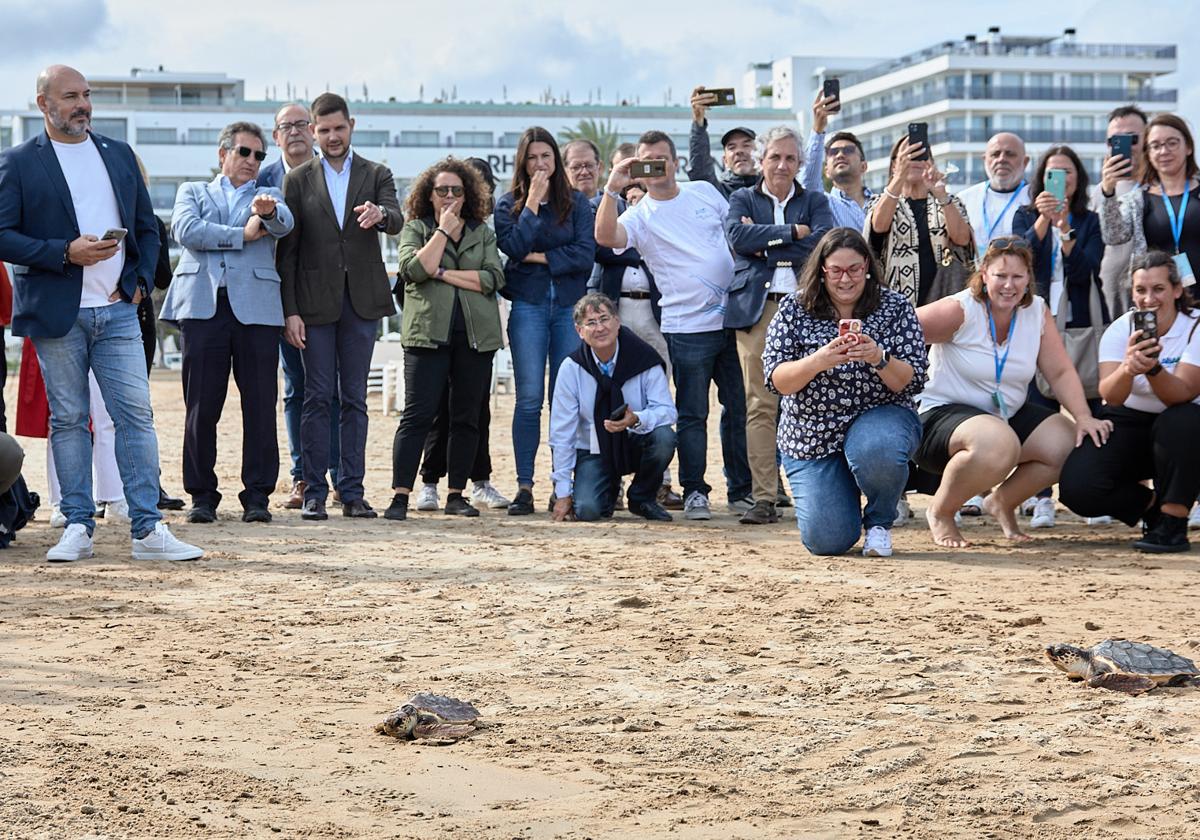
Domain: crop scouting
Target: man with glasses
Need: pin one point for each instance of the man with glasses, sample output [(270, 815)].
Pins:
[(611, 417), (582, 160), (293, 134), (225, 300), (845, 164)]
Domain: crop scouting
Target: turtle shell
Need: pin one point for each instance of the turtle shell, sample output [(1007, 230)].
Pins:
[(447, 708), (1141, 658)]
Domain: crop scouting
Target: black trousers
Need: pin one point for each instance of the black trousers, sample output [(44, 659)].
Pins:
[(463, 375), (149, 324), (1104, 481), (433, 459), (210, 348)]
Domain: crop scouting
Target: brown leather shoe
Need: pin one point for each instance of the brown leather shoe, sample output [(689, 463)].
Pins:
[(296, 499), (669, 499)]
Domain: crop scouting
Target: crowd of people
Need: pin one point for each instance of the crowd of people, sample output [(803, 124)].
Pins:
[(980, 347)]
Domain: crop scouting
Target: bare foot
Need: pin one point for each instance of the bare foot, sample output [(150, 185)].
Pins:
[(945, 532), (1007, 517)]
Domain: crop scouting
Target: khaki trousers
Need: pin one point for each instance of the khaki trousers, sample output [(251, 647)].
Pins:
[(762, 409)]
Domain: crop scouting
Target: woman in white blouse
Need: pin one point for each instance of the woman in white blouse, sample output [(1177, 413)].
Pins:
[(988, 341)]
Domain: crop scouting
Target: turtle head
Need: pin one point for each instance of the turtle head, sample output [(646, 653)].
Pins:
[(1074, 661), (400, 723)]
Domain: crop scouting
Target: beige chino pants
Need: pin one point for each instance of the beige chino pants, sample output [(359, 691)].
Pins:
[(762, 409)]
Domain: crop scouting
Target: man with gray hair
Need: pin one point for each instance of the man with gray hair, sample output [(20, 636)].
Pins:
[(991, 204), (772, 228), (225, 299)]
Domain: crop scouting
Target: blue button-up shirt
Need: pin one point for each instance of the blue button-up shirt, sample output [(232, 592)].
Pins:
[(338, 184), (232, 193), (846, 211)]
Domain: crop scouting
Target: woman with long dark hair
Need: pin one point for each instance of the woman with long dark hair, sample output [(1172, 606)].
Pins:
[(545, 228)]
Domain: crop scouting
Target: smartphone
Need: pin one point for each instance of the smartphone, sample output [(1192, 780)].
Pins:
[(1147, 323), (850, 326), (1056, 184), (1121, 144), (619, 414), (918, 132), (114, 233), (725, 96), (648, 169), (833, 87)]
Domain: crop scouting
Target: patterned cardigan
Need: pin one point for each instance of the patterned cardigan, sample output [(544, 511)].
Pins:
[(901, 258), (1121, 221)]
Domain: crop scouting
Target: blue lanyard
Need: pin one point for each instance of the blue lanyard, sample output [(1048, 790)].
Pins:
[(990, 227), (1001, 361), (1176, 222)]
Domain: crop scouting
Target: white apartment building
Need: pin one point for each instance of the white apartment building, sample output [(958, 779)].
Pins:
[(1047, 89)]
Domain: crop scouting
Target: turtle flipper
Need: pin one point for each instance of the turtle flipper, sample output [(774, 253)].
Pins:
[(1132, 684), (437, 731)]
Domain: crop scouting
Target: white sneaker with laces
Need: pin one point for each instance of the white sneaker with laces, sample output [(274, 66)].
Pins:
[(878, 542), (74, 544), (427, 499), (695, 506), (1043, 514), (116, 511), (161, 544), (903, 513), (1194, 517), (1029, 506), (1098, 520), (58, 519), (485, 495)]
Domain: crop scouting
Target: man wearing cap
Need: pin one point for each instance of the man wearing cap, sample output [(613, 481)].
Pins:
[(738, 144)]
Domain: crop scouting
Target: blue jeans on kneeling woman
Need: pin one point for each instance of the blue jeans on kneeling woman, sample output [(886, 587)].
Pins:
[(874, 462)]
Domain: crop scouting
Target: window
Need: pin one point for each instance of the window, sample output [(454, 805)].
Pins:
[(1041, 122), (477, 139), (1112, 82), (1011, 80), (510, 139), (1081, 123), (157, 136), (1012, 122), (162, 193), (420, 138), (1041, 85), (32, 127), (1082, 81), (114, 128), (5, 137), (106, 96), (370, 137), (203, 136)]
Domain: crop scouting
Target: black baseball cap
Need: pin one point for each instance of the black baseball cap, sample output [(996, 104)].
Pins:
[(741, 129)]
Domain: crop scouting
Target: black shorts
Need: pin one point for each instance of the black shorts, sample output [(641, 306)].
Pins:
[(938, 424)]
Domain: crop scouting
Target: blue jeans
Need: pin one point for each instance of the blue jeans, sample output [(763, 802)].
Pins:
[(596, 488), (873, 462), (108, 340), (537, 333), (293, 404), (697, 360)]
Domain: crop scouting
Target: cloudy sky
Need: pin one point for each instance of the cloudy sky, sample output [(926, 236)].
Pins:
[(484, 48)]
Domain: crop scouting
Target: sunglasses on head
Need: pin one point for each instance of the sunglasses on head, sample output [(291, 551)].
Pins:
[(1009, 243), (444, 191), (243, 151)]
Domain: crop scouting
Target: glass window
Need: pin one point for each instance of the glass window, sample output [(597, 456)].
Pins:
[(32, 127), (162, 193), (157, 136), (478, 139), (203, 136), (1041, 122), (1082, 81), (420, 138), (5, 136), (106, 96), (1112, 81), (369, 137), (1011, 80), (1040, 85), (114, 128), (1012, 122), (510, 139), (1081, 123)]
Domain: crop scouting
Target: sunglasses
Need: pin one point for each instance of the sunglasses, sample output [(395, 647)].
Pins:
[(848, 151), (243, 151), (1010, 243), (445, 191)]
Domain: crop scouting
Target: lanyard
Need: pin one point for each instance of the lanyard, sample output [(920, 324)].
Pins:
[(1176, 222), (990, 227), (1001, 361)]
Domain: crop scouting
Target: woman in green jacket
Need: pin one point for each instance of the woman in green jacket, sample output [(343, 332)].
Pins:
[(450, 328)]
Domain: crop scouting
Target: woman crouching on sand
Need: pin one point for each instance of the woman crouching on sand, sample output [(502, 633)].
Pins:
[(988, 341)]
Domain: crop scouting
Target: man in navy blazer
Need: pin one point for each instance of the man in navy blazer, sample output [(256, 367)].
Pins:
[(77, 224), (225, 298)]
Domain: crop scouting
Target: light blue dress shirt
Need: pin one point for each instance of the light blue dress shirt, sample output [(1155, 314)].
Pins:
[(846, 212), (338, 183)]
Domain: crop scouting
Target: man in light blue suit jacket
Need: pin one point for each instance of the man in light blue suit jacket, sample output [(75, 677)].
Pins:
[(225, 299)]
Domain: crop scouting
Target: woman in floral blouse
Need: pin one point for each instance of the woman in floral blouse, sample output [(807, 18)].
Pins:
[(847, 423)]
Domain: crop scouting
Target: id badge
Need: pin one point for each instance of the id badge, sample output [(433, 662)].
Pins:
[(1186, 276), (1001, 405)]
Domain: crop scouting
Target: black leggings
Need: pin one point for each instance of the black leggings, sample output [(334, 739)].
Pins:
[(433, 461), (1104, 481)]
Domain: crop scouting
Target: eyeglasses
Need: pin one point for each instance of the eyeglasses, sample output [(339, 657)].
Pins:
[(455, 191), (583, 167), (297, 125), (602, 321), (1171, 144), (836, 272), (243, 151), (849, 151)]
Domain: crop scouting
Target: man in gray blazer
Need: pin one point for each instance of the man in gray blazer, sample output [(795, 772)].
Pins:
[(225, 299)]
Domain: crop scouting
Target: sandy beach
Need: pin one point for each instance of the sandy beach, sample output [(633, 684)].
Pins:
[(684, 680)]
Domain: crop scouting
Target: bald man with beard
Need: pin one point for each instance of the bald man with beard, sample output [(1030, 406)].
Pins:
[(991, 204)]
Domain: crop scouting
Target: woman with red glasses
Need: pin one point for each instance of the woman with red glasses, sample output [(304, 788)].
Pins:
[(847, 355)]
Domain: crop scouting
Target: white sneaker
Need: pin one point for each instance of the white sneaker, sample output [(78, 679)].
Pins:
[(116, 511), (972, 506), (1043, 514), (427, 499), (485, 495), (57, 518), (1028, 506), (1194, 517), (161, 544), (75, 544), (904, 513), (878, 542), (1099, 520), (695, 506)]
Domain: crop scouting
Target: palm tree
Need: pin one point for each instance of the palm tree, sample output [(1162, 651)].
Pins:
[(603, 135)]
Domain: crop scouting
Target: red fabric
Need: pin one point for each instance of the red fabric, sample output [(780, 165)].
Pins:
[(5, 297), (33, 411)]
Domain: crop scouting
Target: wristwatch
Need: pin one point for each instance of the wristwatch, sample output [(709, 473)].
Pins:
[(1156, 370), (441, 273), (1069, 235), (883, 360)]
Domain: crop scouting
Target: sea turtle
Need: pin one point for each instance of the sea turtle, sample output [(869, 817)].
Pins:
[(432, 718), (1120, 665)]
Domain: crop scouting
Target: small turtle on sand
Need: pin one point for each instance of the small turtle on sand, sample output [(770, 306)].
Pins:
[(1119, 665), (432, 718)]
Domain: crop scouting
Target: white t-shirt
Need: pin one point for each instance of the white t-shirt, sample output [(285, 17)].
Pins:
[(1175, 349), (683, 242), (963, 369), (96, 210), (995, 208)]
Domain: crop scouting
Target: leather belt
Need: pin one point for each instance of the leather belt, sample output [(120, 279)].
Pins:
[(636, 295), (777, 296)]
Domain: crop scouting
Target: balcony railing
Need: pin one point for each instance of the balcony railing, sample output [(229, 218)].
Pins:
[(1023, 93), (978, 135)]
